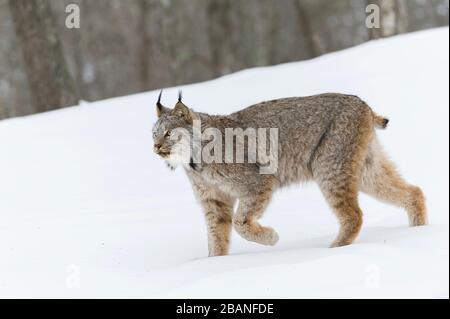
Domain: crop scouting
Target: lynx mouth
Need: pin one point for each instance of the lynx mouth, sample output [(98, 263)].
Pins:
[(163, 153)]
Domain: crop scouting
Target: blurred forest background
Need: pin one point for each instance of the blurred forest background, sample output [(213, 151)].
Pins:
[(128, 46)]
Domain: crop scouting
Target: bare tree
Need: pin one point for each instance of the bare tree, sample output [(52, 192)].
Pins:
[(394, 19), (50, 83)]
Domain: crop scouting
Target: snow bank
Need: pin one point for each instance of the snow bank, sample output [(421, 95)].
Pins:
[(87, 210)]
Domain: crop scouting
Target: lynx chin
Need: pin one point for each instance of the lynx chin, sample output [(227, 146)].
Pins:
[(327, 138)]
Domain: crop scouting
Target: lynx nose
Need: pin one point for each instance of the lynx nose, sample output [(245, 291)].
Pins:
[(157, 146)]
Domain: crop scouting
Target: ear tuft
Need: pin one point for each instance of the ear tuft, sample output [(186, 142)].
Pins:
[(160, 109), (159, 97)]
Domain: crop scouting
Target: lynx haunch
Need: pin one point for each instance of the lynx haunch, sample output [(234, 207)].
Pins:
[(327, 138)]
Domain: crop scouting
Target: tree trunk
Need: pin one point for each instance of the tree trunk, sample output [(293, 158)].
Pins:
[(393, 18), (314, 46), (145, 45), (50, 83)]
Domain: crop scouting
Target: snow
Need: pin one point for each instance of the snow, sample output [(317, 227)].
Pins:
[(89, 211)]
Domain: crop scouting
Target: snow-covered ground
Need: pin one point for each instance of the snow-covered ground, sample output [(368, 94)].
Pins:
[(87, 209)]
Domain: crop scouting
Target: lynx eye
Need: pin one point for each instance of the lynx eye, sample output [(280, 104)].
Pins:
[(167, 133)]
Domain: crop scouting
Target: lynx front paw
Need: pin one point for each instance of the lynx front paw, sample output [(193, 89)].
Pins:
[(256, 233), (268, 236)]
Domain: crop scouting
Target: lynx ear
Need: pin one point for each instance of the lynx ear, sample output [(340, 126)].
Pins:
[(183, 111), (160, 109)]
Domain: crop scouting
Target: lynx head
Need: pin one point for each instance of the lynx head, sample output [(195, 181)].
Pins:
[(172, 132)]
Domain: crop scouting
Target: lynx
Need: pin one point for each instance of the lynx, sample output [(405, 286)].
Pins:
[(327, 138)]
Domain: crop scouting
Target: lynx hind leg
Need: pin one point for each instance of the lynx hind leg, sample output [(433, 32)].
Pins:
[(337, 165), (341, 194), (381, 180), (250, 209)]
